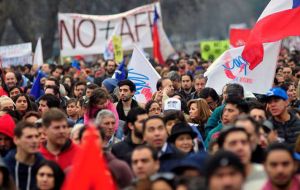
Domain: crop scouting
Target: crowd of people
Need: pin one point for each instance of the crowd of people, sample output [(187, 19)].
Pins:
[(187, 137)]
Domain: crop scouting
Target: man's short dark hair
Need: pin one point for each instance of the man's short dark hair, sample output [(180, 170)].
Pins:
[(225, 133), (129, 83), (240, 104), (92, 86), (279, 146), (245, 117), (53, 114), (187, 74), (71, 100), (51, 78), (18, 131), (154, 153), (235, 90), (54, 88), (52, 100), (150, 118), (209, 92)]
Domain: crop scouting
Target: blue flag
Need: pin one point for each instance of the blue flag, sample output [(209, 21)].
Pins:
[(120, 73), (36, 89), (76, 64)]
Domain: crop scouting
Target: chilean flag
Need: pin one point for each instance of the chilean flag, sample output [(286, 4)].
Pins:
[(280, 19), (157, 55)]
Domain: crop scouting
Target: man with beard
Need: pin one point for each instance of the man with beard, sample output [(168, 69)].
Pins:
[(187, 86), (281, 168), (135, 119), (126, 103), (58, 147), (110, 67)]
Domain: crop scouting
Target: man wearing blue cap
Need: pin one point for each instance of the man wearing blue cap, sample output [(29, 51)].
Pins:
[(286, 123)]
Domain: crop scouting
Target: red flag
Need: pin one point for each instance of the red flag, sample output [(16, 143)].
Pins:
[(238, 37), (89, 169), (279, 20), (157, 55)]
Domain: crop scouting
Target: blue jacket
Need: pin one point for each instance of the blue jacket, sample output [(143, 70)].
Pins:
[(25, 177), (170, 158)]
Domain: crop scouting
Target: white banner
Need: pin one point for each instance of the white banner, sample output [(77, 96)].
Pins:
[(143, 75), (231, 68), (18, 54), (88, 34)]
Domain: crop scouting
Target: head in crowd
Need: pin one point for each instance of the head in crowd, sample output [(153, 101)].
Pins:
[(46, 68), (277, 102), (153, 108), (67, 79), (74, 135), (224, 170), (187, 82), (51, 81), (287, 72), (199, 111), (135, 119), (144, 161), (290, 88), (22, 102), (10, 79), (171, 118), (99, 100), (31, 117), (106, 119), (233, 90), (182, 136), (89, 89), (54, 90), (6, 103), (126, 90), (163, 181), (80, 107), (155, 132), (49, 176), (26, 138), (110, 67), (56, 127), (258, 111), (211, 97), (7, 126), (167, 87), (176, 79), (79, 89), (57, 72), (233, 108), (48, 101), (199, 83), (251, 126), (13, 91), (72, 109), (280, 166)]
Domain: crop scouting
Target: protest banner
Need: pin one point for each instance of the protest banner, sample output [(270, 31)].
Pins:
[(81, 34), (230, 67), (144, 76), (18, 54), (210, 50)]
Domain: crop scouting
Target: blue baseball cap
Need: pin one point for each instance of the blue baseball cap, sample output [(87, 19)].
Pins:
[(277, 92)]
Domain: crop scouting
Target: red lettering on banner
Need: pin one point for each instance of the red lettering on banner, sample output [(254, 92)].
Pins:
[(129, 33), (72, 41), (137, 26), (93, 33)]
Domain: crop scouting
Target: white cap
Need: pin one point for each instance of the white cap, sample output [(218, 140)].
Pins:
[(172, 104)]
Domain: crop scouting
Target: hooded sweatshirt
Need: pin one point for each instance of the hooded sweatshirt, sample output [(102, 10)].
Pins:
[(24, 175)]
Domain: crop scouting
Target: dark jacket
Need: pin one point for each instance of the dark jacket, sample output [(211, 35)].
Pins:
[(187, 96), (170, 158), (288, 130), (123, 150), (119, 169), (25, 176)]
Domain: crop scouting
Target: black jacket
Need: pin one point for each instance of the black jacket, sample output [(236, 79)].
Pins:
[(123, 150), (25, 177), (289, 130)]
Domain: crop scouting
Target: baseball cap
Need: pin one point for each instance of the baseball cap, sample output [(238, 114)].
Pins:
[(172, 104), (276, 92)]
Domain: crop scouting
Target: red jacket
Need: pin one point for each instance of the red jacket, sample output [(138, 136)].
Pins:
[(65, 157)]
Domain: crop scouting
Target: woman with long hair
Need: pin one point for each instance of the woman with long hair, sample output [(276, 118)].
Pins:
[(49, 176), (23, 103), (199, 112)]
